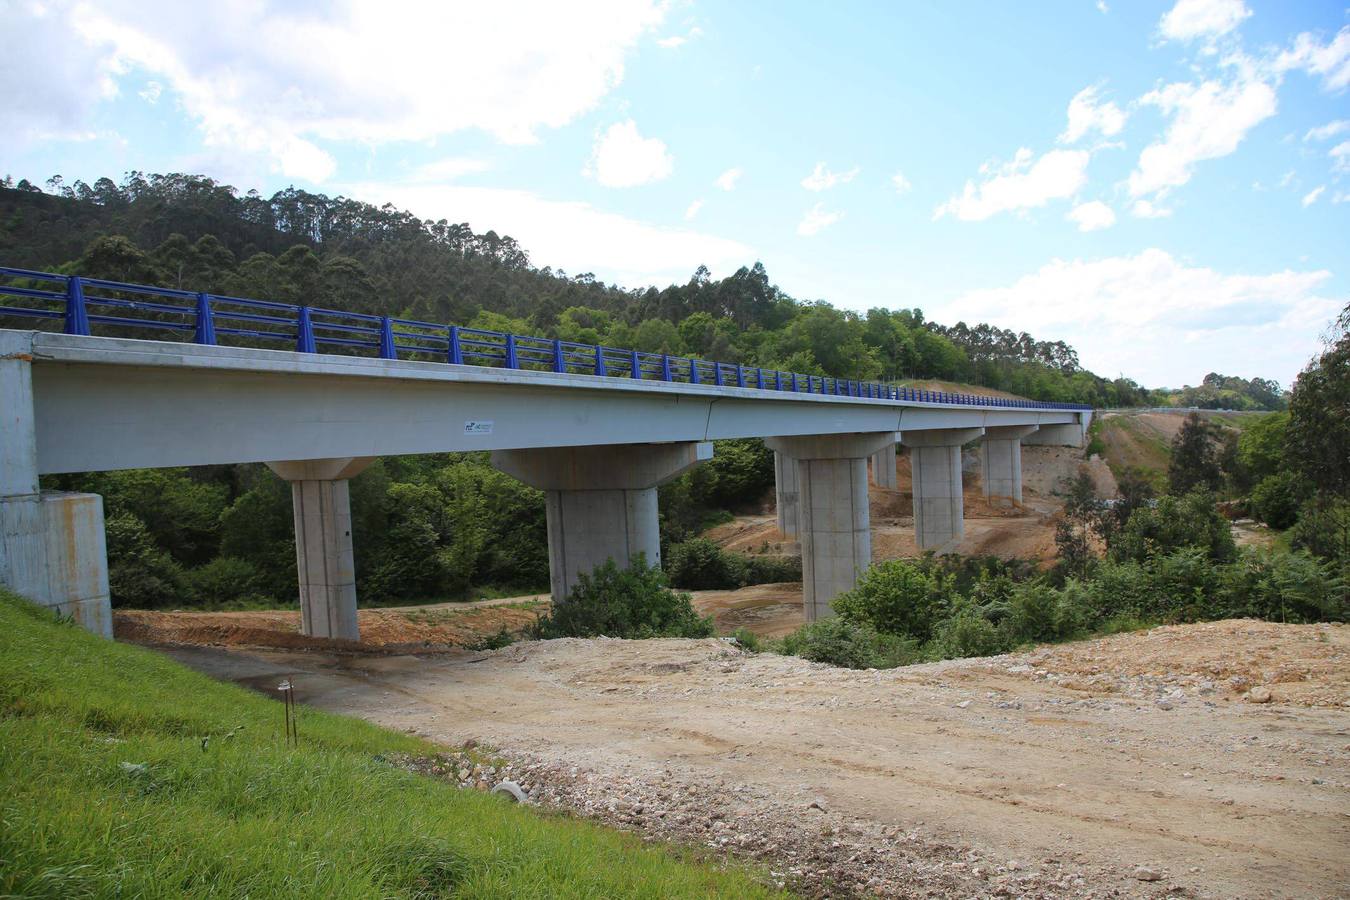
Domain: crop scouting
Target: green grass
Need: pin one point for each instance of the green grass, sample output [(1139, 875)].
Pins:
[(107, 789)]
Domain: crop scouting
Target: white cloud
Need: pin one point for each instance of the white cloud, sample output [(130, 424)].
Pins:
[(273, 79), (1102, 7), (449, 169), (1143, 209), (821, 178), (679, 40), (727, 180), (1208, 121), (1288, 178), (1340, 157), (901, 183), (570, 235), (1160, 320), (1086, 114), (1092, 216), (817, 219), (1019, 185), (693, 210), (624, 158), (1311, 197), (150, 93), (1330, 60), (1191, 19), (1329, 130)]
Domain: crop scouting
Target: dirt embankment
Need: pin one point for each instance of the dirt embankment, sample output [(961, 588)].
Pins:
[(1197, 760)]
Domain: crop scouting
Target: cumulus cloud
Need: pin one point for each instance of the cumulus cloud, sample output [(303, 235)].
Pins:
[(449, 169), (1019, 185), (1207, 121), (1087, 114), (1161, 320), (822, 179), (1143, 209), (727, 180), (1209, 19), (693, 210), (901, 183), (679, 40), (570, 235), (1311, 197), (817, 219), (1329, 130), (624, 158), (274, 79), (1092, 216), (1330, 60), (1340, 157)]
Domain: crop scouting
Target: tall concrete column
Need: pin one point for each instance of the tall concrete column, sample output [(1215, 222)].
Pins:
[(52, 548), (600, 501), (323, 543), (1001, 462), (834, 526), (883, 468), (786, 494), (935, 458)]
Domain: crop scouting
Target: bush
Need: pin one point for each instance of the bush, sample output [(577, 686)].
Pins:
[(226, 581), (854, 645), (967, 634), (747, 639), (140, 575), (624, 603), (1276, 499), (700, 565), (1176, 523), (897, 597), (1032, 613), (766, 569), (1283, 587), (1323, 529)]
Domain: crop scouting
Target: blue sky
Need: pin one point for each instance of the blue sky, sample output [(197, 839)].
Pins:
[(1166, 185)]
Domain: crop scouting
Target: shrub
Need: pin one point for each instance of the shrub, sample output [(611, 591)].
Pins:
[(140, 575), (767, 569), (625, 603), (967, 634), (1175, 523), (1283, 587), (747, 639), (897, 597), (1276, 498), (1075, 613), (1032, 613), (854, 645), (701, 565), (1323, 529), (226, 581)]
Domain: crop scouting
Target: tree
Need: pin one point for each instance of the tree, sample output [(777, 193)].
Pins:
[(1318, 435), (1194, 463)]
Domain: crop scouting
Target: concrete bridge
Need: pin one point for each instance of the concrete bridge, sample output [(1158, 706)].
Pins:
[(597, 429)]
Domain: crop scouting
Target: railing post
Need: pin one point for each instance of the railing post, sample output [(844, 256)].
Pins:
[(600, 360), (512, 361), (665, 367), (793, 378), (718, 379), (77, 317), (205, 332), (304, 331), (558, 364), (740, 375), (693, 372), (387, 348), (777, 380), (455, 353), (635, 364)]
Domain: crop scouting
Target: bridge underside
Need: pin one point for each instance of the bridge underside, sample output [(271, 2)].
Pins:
[(81, 404)]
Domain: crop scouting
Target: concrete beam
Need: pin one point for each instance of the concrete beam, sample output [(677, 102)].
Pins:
[(935, 460), (883, 468), (834, 525), (324, 561), (1001, 463), (786, 493), (600, 501), (1072, 434)]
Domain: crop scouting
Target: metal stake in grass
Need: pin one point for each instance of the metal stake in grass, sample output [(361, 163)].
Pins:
[(288, 703)]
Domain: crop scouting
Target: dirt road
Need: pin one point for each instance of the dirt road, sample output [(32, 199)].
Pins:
[(1138, 765)]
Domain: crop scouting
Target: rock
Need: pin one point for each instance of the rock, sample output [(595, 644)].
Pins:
[(1259, 695), (511, 789), (1165, 704), (816, 804), (1144, 873), (963, 704)]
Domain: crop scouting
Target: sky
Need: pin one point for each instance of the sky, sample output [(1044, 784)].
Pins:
[(1164, 185)]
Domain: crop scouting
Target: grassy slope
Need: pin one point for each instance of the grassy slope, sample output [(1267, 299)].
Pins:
[(106, 789)]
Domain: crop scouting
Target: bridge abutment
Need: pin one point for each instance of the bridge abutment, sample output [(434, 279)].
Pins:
[(323, 543), (883, 468), (833, 514), (600, 501), (1001, 463), (935, 458)]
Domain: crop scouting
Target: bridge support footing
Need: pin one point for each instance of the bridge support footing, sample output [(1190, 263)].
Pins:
[(52, 552), (1001, 463), (323, 543), (600, 501), (786, 493), (883, 468), (833, 513), (935, 459)]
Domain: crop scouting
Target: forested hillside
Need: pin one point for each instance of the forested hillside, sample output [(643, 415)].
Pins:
[(192, 232)]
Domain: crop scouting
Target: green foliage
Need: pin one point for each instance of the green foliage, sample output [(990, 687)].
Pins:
[(1261, 447), (495, 641), (747, 639), (1033, 614), (624, 603), (1284, 587), (1195, 461), (1318, 433), (1231, 392), (1323, 529), (843, 642), (140, 574), (1176, 523), (967, 634), (699, 565), (1276, 499), (125, 774), (226, 582), (897, 597)]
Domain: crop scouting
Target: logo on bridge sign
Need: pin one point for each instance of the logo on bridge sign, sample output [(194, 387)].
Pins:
[(478, 426)]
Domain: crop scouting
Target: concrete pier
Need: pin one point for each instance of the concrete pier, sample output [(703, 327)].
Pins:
[(883, 468), (935, 458), (786, 494), (323, 543), (1072, 434), (1001, 463), (600, 501), (834, 526)]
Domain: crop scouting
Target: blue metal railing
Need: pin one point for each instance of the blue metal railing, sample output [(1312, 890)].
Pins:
[(79, 303)]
